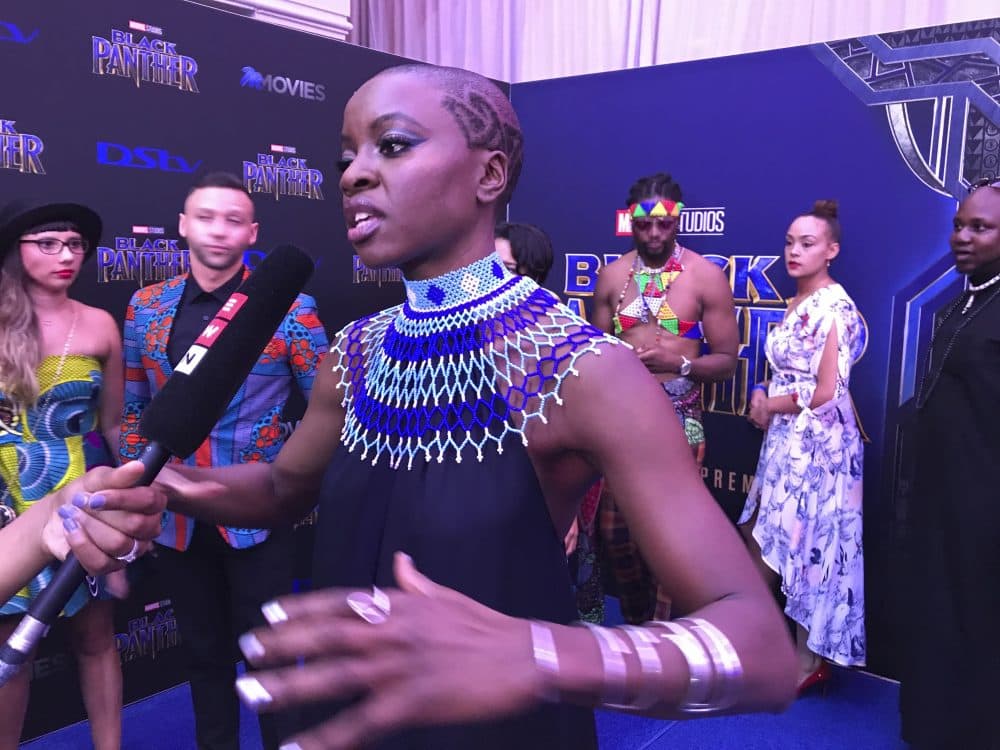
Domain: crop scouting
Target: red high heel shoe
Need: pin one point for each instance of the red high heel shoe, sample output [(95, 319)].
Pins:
[(821, 677)]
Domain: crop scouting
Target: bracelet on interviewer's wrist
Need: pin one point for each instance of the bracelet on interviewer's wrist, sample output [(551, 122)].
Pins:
[(546, 657)]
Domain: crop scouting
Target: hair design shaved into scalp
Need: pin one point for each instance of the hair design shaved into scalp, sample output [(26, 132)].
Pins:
[(485, 116)]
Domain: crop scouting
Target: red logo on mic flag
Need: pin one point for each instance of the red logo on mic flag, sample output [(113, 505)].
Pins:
[(211, 332), (232, 306)]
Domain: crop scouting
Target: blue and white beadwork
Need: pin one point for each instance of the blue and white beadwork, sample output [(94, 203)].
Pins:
[(470, 358)]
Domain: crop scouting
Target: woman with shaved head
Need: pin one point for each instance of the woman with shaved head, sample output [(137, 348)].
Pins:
[(457, 433)]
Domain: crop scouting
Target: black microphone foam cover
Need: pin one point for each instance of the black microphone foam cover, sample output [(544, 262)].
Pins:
[(210, 373)]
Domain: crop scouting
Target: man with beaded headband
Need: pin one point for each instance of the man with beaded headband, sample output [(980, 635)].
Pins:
[(457, 432), (666, 301), (951, 616)]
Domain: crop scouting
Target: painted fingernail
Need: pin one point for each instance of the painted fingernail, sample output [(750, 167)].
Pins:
[(70, 525), (290, 746), (274, 613), (252, 692), (67, 511), (80, 499), (97, 501), (251, 646)]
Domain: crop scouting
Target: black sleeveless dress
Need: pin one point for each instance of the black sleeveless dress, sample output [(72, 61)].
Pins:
[(471, 516)]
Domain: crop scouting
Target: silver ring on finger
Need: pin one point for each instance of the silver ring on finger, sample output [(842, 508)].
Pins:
[(373, 608), (131, 555)]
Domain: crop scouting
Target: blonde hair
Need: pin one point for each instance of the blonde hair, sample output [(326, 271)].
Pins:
[(20, 351)]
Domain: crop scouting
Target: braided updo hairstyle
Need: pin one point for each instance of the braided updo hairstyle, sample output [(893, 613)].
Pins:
[(827, 211)]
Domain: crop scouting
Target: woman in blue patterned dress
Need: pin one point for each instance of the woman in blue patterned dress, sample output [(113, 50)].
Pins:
[(803, 513), (61, 385)]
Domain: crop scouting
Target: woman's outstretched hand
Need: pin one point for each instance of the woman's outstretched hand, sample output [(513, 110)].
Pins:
[(418, 655)]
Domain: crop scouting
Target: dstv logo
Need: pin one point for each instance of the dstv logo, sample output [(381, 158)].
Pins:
[(143, 157), (254, 79)]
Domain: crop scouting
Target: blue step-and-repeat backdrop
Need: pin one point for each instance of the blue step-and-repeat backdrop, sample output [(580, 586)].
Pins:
[(895, 127), (120, 105)]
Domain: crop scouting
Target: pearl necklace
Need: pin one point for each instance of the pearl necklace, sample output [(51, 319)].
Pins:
[(62, 358), (974, 289), (9, 411)]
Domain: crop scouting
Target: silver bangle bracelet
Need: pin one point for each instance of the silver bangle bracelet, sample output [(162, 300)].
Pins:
[(728, 669), (543, 647), (697, 700), (648, 690), (612, 649)]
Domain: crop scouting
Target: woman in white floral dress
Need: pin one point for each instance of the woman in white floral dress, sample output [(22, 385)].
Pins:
[(803, 513)]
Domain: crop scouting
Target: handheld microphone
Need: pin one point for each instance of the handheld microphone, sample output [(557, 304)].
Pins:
[(182, 414)]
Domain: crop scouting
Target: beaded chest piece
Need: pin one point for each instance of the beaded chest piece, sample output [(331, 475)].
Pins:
[(650, 303), (469, 359)]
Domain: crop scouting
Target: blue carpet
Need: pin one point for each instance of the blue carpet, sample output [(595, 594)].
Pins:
[(859, 711)]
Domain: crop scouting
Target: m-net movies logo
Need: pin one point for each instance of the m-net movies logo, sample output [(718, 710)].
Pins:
[(20, 152), (275, 84), (143, 157), (287, 174), (144, 59), (10, 32)]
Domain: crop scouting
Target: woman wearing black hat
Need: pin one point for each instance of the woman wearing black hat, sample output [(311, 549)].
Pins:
[(61, 385)]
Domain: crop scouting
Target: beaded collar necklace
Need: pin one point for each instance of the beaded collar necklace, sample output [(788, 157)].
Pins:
[(469, 359)]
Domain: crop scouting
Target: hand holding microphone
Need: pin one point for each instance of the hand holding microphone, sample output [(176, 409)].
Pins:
[(100, 525)]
